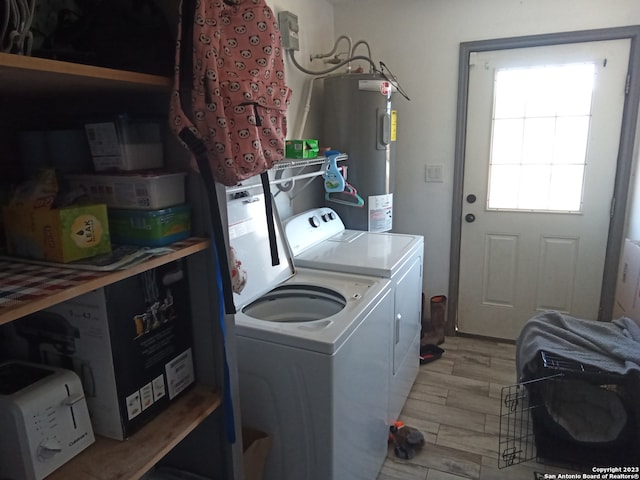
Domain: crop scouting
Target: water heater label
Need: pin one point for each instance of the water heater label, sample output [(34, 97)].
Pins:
[(380, 212), (394, 125), (381, 86)]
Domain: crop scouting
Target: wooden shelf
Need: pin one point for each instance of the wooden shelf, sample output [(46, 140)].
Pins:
[(32, 76), (27, 288), (130, 459)]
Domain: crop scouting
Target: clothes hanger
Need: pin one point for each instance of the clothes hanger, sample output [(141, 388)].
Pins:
[(349, 196), (337, 189)]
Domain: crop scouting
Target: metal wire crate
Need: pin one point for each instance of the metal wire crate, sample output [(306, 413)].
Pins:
[(524, 434), (517, 438)]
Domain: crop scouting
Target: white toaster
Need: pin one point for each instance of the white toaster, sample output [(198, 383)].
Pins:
[(44, 418)]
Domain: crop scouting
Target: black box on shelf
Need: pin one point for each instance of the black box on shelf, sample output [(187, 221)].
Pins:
[(130, 342)]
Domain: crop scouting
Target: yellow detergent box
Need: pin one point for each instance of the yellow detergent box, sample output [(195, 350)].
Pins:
[(301, 148), (57, 234)]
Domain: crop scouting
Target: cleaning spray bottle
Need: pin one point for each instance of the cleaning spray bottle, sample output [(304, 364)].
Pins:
[(333, 180)]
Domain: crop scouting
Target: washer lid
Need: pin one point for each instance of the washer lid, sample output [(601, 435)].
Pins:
[(252, 272), (366, 253)]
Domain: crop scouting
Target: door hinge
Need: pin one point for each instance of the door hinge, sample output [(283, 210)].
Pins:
[(613, 207), (627, 86)]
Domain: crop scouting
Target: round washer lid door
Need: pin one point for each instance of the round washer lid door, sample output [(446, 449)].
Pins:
[(296, 303)]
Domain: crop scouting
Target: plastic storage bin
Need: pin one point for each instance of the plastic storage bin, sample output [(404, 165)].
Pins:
[(143, 191), (125, 144), (150, 228)]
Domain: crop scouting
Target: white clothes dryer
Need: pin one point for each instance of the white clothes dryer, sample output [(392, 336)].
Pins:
[(394, 256), (312, 357)]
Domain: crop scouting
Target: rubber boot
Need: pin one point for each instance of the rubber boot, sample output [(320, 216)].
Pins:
[(435, 333), (425, 323), (426, 326)]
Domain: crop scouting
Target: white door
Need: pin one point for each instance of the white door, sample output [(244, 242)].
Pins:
[(542, 141)]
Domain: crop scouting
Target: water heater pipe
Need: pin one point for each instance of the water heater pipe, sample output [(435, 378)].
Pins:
[(329, 70), (307, 107), (366, 44), (335, 47)]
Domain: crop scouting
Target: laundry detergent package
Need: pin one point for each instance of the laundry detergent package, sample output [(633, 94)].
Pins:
[(301, 148), (130, 342)]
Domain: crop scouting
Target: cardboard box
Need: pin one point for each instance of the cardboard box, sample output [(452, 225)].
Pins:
[(301, 148), (125, 144), (150, 228), (255, 446), (130, 343), (58, 234), (627, 301), (618, 311)]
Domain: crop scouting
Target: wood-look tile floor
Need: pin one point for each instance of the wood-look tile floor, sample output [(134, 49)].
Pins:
[(455, 402)]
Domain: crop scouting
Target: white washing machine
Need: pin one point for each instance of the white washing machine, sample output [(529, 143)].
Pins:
[(313, 357), (319, 240)]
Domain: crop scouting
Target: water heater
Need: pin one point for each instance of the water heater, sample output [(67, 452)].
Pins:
[(359, 121)]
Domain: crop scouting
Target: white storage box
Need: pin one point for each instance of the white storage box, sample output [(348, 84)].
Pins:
[(125, 144), (143, 191)]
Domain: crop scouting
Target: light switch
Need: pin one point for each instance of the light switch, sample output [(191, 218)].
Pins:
[(433, 173)]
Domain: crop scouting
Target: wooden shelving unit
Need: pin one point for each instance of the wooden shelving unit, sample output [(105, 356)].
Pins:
[(27, 288)]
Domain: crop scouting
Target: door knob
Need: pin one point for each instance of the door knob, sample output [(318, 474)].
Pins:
[(471, 198), (470, 217)]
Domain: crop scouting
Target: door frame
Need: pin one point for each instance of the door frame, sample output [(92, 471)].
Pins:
[(624, 162)]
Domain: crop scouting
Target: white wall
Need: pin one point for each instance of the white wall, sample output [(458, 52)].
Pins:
[(419, 41)]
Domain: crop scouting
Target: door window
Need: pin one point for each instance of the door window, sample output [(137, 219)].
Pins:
[(540, 129)]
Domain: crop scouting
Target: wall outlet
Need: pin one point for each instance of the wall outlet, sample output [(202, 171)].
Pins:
[(289, 28)]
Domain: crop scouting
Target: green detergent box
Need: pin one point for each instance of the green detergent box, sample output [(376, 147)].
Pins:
[(301, 148), (150, 228)]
